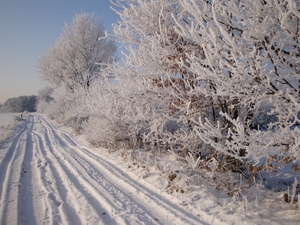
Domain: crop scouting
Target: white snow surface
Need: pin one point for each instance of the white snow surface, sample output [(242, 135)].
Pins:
[(48, 177), (5, 119)]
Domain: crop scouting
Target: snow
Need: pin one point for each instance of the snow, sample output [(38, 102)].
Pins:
[(5, 119), (50, 177)]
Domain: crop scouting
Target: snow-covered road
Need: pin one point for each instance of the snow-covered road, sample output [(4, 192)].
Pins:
[(47, 178)]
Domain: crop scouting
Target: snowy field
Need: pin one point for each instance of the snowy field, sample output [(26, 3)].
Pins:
[(48, 177), (5, 118)]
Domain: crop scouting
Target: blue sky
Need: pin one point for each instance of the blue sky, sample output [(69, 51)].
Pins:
[(27, 29)]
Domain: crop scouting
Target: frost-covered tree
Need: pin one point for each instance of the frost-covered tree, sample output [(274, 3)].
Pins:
[(156, 46), (156, 54), (78, 56), (157, 49), (251, 57), (220, 61), (117, 112), (45, 94), (44, 98)]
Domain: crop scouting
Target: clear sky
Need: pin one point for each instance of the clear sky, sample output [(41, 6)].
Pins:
[(27, 29)]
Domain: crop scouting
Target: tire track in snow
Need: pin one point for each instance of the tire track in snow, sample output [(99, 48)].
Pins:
[(25, 192), (161, 210), (47, 178), (71, 195), (117, 204), (47, 188), (129, 209), (8, 157), (11, 171), (34, 208)]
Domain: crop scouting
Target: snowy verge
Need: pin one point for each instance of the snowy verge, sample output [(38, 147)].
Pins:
[(249, 205), (5, 119), (175, 179)]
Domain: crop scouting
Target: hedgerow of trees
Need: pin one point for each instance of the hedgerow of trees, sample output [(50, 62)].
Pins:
[(215, 65), (20, 104), (218, 81)]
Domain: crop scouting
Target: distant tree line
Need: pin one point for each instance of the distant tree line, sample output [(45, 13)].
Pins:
[(19, 104)]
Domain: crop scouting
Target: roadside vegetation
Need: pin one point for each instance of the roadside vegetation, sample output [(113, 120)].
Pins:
[(208, 91)]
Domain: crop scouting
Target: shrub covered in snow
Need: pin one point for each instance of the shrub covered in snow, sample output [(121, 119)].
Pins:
[(215, 64), (214, 82)]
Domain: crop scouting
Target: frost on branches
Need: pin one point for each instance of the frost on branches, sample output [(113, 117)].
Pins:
[(214, 83), (78, 56), (217, 66), (120, 111), (72, 65), (251, 59)]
